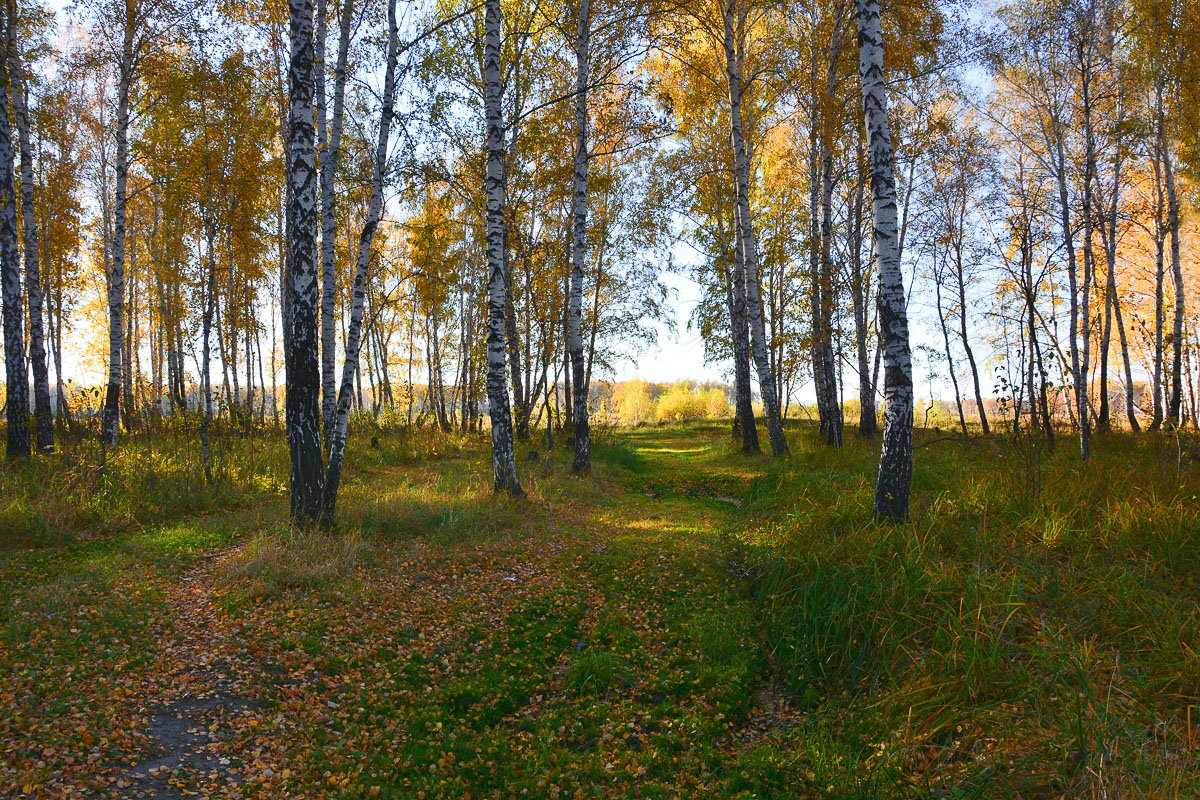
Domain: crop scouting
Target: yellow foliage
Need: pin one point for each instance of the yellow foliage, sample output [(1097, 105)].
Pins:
[(632, 404), (683, 402), (716, 404)]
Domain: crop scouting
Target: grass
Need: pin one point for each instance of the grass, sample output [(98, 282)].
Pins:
[(685, 623), (1032, 632), (154, 478)]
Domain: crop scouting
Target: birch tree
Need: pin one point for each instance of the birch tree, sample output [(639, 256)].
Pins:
[(582, 459), (503, 460), (957, 200), (860, 288), (1163, 47), (1082, 38), (366, 239), (329, 145), (1167, 156), (735, 19), (303, 372), (57, 131), (126, 63), (896, 459), (1049, 95), (125, 24), (744, 424), (124, 33), (44, 423), (1110, 234), (16, 379), (821, 181)]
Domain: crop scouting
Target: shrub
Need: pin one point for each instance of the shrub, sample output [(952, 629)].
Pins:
[(632, 404), (683, 402)]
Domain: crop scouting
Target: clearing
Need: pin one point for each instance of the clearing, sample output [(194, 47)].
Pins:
[(685, 624)]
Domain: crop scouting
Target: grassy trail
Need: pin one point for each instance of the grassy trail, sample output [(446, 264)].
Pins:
[(686, 623), (587, 642)]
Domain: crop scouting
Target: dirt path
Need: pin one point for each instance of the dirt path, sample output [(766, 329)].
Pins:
[(593, 637), (202, 697)]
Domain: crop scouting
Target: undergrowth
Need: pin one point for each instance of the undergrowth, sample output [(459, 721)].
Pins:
[(1032, 631), (685, 622)]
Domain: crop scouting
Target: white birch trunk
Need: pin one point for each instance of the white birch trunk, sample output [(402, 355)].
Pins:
[(1174, 404), (503, 462), (582, 460), (210, 295), (116, 282), (520, 406), (966, 342), (824, 365), (743, 408), (824, 361), (330, 150), (33, 282), (16, 378), (1089, 264), (1160, 227), (896, 460), (859, 292), (303, 371), (1110, 254), (745, 237), (937, 286), (321, 124), (1064, 205), (337, 438)]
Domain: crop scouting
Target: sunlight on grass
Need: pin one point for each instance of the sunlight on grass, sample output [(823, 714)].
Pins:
[(686, 622), (285, 558)]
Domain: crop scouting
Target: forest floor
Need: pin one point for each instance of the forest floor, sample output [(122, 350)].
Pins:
[(686, 623)]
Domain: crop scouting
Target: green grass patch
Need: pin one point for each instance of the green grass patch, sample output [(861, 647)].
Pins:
[(686, 622)]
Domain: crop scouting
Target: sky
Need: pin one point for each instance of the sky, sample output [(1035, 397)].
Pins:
[(679, 353)]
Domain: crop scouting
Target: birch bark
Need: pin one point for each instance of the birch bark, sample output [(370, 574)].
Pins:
[(520, 408), (1174, 404), (582, 459), (859, 291), (1113, 300), (823, 355), (337, 439), (960, 279), (743, 407), (33, 282), (503, 462), (1064, 206), (303, 371), (330, 149), (1160, 238), (210, 294), (116, 282), (937, 285), (1089, 256), (896, 459), (17, 382), (825, 377), (745, 232)]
